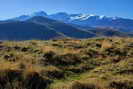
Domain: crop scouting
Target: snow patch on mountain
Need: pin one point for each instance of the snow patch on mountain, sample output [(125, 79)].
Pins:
[(101, 17), (81, 17)]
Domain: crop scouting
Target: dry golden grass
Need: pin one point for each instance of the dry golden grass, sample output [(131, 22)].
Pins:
[(5, 65), (98, 63), (106, 44)]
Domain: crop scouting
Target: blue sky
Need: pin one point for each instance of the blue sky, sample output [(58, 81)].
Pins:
[(121, 8)]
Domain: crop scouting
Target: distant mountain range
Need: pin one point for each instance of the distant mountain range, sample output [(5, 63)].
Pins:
[(85, 20), (42, 26)]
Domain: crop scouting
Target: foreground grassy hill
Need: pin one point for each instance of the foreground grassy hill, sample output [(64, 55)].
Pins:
[(98, 63)]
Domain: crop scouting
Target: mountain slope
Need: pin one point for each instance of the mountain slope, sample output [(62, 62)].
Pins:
[(109, 32), (63, 28), (25, 31), (40, 28)]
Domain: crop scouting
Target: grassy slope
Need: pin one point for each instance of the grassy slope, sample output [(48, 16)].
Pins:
[(98, 63)]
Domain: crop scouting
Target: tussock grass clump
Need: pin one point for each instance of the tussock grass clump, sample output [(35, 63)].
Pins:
[(35, 81), (51, 58), (121, 84), (53, 72), (80, 85), (15, 79)]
